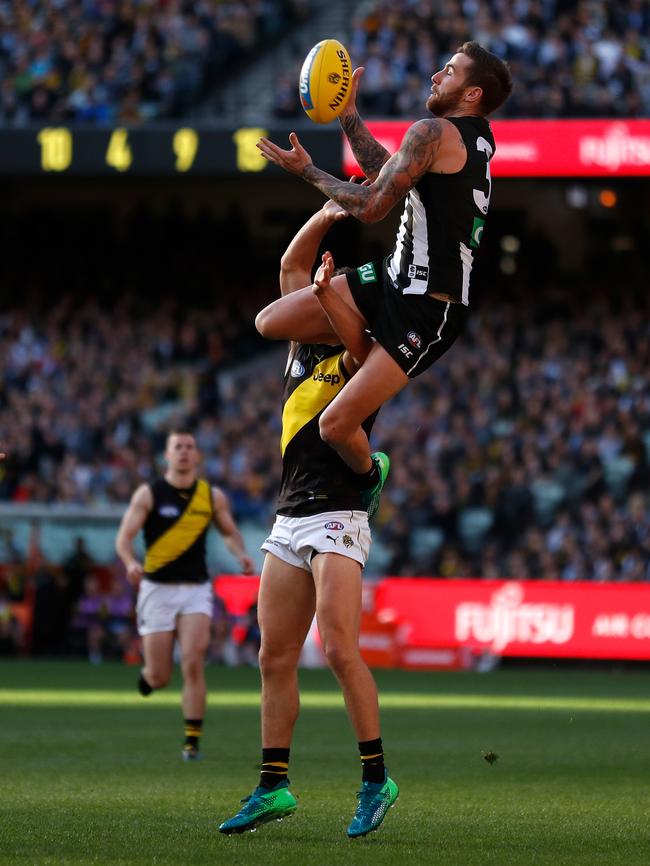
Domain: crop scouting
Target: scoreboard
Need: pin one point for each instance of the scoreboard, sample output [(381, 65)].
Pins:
[(525, 148), (153, 151)]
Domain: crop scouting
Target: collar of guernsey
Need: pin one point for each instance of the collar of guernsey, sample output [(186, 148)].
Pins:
[(182, 534), (312, 396)]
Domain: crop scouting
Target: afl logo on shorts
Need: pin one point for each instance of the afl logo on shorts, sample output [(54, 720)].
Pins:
[(334, 524), (168, 511), (414, 339), (297, 370)]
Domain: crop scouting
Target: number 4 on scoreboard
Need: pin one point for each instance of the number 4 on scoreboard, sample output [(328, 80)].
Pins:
[(118, 154)]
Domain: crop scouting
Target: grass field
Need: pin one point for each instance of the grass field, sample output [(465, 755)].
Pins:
[(90, 773)]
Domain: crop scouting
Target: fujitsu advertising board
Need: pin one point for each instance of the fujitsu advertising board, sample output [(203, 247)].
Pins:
[(520, 618), (547, 148)]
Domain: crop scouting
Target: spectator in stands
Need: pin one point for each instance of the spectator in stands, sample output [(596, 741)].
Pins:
[(533, 424), (569, 59), (118, 62)]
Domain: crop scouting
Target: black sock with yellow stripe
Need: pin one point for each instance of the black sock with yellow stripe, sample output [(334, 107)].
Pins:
[(275, 766), (372, 760), (193, 731)]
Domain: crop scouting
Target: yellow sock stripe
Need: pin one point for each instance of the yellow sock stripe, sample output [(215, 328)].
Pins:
[(282, 764), (193, 732), (368, 757)]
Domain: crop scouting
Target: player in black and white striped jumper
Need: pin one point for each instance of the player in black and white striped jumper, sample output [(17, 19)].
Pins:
[(415, 300)]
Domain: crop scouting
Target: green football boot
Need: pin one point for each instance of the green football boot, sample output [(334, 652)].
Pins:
[(370, 498), (263, 805), (375, 799)]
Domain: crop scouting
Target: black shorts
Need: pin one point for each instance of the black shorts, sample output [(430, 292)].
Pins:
[(415, 330)]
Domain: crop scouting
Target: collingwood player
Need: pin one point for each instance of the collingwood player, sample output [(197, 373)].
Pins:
[(414, 301), (174, 587), (314, 556)]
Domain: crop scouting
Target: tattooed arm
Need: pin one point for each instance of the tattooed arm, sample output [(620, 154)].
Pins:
[(367, 151), (398, 175)]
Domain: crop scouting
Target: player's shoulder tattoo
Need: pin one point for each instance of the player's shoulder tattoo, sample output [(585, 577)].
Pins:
[(420, 146)]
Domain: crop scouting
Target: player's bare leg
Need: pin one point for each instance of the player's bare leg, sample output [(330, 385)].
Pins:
[(379, 379), (299, 315), (338, 589), (338, 610), (193, 636), (157, 649), (288, 589), (285, 608)]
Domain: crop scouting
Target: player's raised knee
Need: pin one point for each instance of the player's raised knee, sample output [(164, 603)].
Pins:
[(158, 679), (331, 431), (266, 322)]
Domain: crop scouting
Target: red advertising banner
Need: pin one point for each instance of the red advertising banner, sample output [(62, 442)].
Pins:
[(547, 148), (520, 618), (424, 622)]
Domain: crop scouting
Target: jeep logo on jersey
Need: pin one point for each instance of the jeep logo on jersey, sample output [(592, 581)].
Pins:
[(297, 370), (477, 232), (367, 273), (418, 272), (332, 378), (168, 511), (414, 339), (334, 524)]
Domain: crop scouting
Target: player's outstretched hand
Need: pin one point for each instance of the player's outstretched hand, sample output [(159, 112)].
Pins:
[(324, 274), (294, 160)]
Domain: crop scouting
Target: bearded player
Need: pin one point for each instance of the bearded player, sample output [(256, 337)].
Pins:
[(415, 300)]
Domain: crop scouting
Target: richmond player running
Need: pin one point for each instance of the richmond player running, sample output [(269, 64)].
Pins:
[(174, 587)]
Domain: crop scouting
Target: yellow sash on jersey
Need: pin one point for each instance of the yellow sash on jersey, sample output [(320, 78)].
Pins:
[(311, 397), (182, 534)]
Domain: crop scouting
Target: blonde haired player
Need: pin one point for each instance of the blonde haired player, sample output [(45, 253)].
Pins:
[(174, 587)]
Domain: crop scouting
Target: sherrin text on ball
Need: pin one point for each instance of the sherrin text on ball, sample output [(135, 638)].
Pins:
[(325, 80)]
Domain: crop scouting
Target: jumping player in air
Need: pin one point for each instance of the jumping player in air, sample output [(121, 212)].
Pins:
[(174, 589), (415, 300), (315, 554)]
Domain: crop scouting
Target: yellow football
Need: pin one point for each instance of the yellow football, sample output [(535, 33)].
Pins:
[(325, 80)]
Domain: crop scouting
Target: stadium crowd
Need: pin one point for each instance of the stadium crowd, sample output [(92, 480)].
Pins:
[(123, 62), (568, 58), (104, 62), (523, 453)]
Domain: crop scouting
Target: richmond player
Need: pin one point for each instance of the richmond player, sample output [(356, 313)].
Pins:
[(314, 557), (174, 587)]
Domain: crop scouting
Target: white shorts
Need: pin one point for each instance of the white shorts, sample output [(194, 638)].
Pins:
[(296, 539), (160, 603)]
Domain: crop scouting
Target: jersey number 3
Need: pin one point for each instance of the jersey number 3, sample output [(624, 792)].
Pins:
[(481, 200)]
